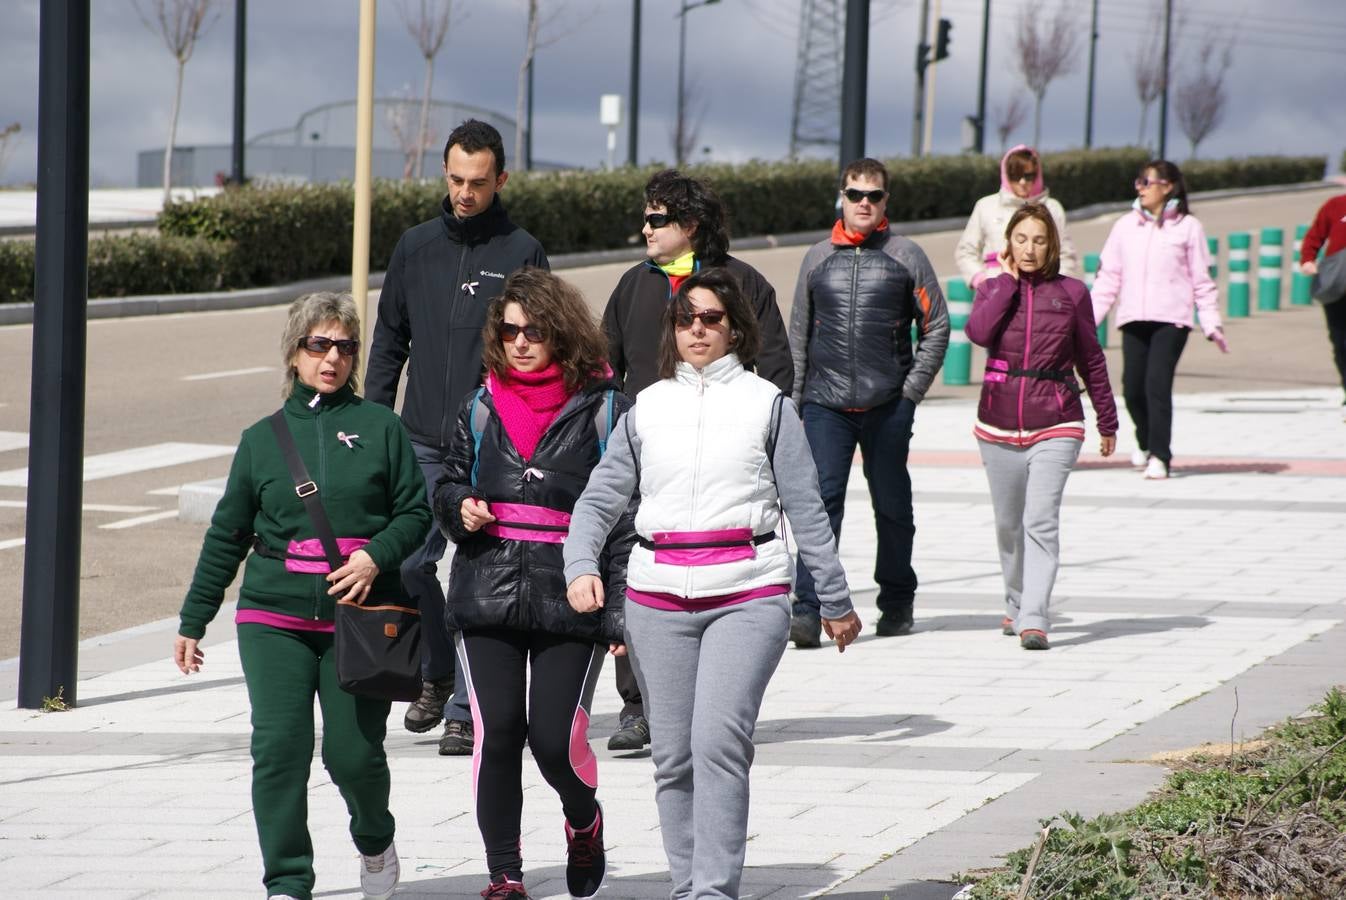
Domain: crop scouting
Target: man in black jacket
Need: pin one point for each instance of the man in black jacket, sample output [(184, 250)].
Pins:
[(858, 378), (684, 232), (442, 277)]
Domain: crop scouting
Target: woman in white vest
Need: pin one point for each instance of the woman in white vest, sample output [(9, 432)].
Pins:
[(708, 582)]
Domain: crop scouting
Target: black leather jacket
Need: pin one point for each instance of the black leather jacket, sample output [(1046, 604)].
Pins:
[(521, 584)]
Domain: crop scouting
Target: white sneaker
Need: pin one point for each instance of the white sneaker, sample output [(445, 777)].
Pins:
[(1343, 412), (1139, 458), (379, 874), (1155, 469)]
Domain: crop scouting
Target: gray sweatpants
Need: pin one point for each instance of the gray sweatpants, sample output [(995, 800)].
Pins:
[(1026, 488), (703, 675)]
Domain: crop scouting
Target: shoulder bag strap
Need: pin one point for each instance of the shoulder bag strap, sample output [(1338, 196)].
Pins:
[(307, 489)]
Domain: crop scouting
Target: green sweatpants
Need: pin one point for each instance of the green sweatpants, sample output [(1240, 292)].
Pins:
[(283, 670)]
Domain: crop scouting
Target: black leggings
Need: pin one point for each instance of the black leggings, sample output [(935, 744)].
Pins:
[(554, 723), (1150, 352), (1336, 333)]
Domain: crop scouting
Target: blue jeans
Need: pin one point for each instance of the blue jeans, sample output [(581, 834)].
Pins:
[(884, 436), (421, 579)]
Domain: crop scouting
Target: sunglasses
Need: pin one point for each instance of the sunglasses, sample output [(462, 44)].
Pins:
[(1026, 178), (709, 317), (509, 332), (1147, 182), (658, 220), (315, 344), (855, 195)]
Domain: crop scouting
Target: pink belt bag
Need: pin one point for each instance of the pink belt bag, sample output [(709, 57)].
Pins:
[(705, 548), (307, 557), (521, 522)]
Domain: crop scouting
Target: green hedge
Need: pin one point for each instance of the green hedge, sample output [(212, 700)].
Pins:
[(131, 265)]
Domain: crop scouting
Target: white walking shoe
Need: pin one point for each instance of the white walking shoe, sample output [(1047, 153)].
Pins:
[(1139, 458), (379, 874), (1156, 469)]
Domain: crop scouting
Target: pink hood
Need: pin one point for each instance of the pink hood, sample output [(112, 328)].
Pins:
[(1039, 185)]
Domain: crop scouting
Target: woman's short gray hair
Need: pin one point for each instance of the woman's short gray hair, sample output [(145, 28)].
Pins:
[(309, 312)]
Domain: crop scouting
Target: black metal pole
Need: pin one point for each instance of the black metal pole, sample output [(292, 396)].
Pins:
[(1163, 96), (1089, 103), (528, 119), (854, 78), (981, 79), (49, 634), (633, 114), (918, 101), (240, 81)]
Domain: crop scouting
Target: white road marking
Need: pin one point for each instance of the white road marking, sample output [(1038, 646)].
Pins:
[(136, 459), (230, 373), (12, 440), (88, 507), (166, 492), (13, 542), (142, 520)]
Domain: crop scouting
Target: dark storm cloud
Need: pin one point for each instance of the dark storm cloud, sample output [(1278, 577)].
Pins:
[(741, 54)]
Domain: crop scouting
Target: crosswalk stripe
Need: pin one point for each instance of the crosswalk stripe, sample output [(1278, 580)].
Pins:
[(207, 376), (142, 520), (136, 459), (13, 440), (88, 507), (11, 543)]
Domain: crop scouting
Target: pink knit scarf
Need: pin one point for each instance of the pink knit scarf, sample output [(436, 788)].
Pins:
[(528, 402)]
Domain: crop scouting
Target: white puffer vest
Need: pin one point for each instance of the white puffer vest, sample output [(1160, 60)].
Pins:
[(704, 467)]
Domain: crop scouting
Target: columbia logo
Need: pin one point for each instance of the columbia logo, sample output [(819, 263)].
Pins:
[(491, 274)]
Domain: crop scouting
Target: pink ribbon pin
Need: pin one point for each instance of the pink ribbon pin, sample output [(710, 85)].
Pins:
[(347, 438)]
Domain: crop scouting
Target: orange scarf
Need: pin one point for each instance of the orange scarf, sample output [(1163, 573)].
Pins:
[(844, 238)]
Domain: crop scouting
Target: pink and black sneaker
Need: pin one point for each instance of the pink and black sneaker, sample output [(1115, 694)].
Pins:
[(502, 887), (586, 862)]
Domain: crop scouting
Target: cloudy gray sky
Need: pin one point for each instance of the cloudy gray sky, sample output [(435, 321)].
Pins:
[(1284, 86)]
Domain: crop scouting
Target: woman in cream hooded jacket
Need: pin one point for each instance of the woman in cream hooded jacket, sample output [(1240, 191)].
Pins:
[(1021, 183)]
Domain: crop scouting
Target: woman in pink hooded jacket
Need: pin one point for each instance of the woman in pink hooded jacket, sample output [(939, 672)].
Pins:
[(1021, 183), (1156, 268)]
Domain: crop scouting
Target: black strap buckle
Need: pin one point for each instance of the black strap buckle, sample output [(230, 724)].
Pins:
[(307, 489)]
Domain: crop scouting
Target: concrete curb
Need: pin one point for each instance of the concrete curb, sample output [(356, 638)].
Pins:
[(159, 304)]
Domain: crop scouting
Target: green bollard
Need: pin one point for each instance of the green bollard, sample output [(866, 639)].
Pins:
[(1091, 261), (1300, 284), (958, 358), (1239, 291), (1212, 245), (1269, 269)]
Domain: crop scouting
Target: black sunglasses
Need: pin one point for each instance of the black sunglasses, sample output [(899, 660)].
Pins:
[(855, 195), (708, 317), (316, 344), (510, 332), (658, 220)]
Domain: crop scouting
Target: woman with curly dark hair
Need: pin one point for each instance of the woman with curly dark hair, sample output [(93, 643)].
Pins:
[(520, 457)]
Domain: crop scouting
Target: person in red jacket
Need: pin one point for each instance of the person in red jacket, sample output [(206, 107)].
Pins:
[(1328, 233), (1038, 329)]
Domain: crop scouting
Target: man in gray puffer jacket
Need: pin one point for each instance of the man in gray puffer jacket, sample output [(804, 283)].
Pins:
[(858, 380)]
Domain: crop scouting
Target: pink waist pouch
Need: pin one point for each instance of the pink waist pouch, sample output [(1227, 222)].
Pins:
[(307, 557), (521, 522), (704, 548)]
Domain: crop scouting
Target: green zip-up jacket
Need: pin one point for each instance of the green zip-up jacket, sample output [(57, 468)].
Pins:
[(371, 488)]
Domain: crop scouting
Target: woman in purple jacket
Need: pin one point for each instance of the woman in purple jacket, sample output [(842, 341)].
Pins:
[(1038, 328)]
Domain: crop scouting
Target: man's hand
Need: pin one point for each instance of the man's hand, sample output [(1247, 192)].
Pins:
[(844, 630), (475, 513), (1310, 267), (586, 594)]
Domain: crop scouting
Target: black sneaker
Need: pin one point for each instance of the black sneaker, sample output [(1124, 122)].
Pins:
[(806, 631), (894, 625), (633, 734), (457, 738), (502, 887), (428, 709), (586, 863)]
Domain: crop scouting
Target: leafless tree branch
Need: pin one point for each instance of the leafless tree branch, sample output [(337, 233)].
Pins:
[(9, 137), (1045, 47), (400, 114), (1201, 98), (694, 114), (543, 30), (1009, 116), (1147, 64), (428, 24)]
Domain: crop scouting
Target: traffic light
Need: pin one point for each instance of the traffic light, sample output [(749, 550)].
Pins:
[(942, 41)]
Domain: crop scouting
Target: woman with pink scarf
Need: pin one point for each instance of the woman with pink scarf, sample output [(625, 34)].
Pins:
[(520, 457)]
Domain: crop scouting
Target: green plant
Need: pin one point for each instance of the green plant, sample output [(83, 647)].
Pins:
[(57, 703)]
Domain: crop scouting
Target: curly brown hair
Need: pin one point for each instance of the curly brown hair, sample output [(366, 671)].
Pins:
[(557, 307)]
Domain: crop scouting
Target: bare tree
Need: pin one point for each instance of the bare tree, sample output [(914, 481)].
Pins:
[(400, 114), (1009, 116), (1045, 48), (689, 129), (542, 32), (1147, 65), (181, 23), (428, 26), (9, 137), (1201, 98)]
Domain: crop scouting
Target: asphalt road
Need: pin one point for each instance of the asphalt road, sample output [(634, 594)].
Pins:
[(185, 385)]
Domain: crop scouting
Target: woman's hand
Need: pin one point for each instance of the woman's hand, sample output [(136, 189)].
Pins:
[(1007, 263), (475, 514), (1310, 267), (586, 594), (1107, 443), (844, 630), (1218, 337), (617, 649), (355, 578), (187, 655)]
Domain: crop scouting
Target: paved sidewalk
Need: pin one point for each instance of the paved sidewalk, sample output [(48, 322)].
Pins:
[(1186, 611)]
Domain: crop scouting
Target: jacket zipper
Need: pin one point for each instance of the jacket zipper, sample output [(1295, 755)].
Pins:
[(1028, 345), (1145, 279), (696, 470), (449, 406), (850, 344), (322, 482)]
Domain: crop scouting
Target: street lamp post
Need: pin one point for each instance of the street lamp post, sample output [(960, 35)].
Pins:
[(679, 133)]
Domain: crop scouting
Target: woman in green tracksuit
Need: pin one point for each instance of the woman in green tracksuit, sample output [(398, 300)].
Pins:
[(366, 473)]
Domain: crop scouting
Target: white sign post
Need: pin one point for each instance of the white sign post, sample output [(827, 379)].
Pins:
[(610, 114)]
